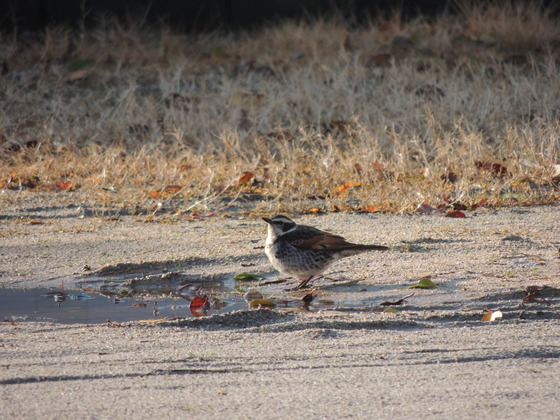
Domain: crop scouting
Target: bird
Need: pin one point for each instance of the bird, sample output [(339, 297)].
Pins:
[(304, 252)]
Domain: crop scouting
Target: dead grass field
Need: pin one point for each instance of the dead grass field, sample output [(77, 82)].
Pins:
[(306, 117)]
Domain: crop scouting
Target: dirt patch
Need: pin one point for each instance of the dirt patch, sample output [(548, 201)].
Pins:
[(433, 357)]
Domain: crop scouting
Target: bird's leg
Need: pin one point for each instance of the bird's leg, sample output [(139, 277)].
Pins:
[(303, 284)]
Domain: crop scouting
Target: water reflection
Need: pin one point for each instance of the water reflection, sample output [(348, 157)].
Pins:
[(133, 301), (112, 303)]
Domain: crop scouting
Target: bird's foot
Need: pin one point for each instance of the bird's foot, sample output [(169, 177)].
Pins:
[(303, 284)]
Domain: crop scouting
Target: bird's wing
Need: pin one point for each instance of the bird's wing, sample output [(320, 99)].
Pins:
[(312, 238)]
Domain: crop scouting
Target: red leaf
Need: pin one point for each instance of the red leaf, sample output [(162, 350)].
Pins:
[(455, 213), (358, 169), (481, 203), (246, 178), (496, 169), (199, 303)]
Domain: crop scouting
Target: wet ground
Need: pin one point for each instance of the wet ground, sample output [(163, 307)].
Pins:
[(92, 307), (144, 299)]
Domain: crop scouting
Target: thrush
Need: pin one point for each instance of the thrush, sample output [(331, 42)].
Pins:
[(304, 252)]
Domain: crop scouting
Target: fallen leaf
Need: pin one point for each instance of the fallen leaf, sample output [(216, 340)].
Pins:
[(397, 302), (172, 189), (76, 75), (391, 310), (496, 169), (481, 203), (346, 186), (199, 303), (533, 293), (459, 206), (425, 283), (370, 209), (455, 213), (314, 210), (262, 303), (248, 276), (308, 298), (246, 178), (491, 316), (358, 169)]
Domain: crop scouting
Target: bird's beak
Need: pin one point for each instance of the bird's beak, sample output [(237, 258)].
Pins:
[(267, 220)]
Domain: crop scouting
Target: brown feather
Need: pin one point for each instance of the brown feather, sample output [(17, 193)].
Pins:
[(310, 238), (324, 240)]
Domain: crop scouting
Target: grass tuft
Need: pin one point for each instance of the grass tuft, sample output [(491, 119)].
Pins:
[(297, 117)]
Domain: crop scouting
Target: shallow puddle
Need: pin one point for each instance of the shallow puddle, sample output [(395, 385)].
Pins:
[(92, 307), (119, 301)]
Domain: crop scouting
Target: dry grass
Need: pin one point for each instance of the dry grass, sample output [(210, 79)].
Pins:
[(383, 117)]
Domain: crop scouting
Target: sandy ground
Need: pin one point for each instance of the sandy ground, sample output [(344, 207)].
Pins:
[(434, 358)]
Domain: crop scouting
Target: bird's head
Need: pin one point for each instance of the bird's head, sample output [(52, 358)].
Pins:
[(280, 225)]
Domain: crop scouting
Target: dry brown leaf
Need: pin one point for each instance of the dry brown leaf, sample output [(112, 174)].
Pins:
[(246, 178), (491, 316), (172, 189), (76, 75), (341, 189)]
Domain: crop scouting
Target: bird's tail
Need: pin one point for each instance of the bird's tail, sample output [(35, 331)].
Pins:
[(374, 247), (354, 249)]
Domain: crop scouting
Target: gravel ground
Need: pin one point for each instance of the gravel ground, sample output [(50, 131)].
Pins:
[(432, 358)]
